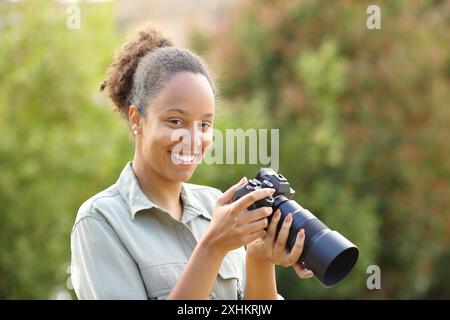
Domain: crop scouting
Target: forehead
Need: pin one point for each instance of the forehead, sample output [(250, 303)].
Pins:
[(188, 91)]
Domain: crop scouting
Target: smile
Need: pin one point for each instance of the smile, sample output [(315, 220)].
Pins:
[(184, 158)]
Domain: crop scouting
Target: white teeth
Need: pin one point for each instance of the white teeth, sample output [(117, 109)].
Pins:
[(182, 158)]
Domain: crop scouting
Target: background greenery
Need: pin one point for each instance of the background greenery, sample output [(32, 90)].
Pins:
[(363, 117)]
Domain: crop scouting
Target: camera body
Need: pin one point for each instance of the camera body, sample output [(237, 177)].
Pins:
[(266, 178), (327, 253)]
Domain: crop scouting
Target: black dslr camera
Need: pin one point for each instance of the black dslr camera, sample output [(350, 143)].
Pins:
[(327, 253)]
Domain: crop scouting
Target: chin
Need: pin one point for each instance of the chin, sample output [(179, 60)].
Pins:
[(182, 175)]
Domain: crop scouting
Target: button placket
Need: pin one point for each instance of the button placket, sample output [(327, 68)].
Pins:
[(186, 238)]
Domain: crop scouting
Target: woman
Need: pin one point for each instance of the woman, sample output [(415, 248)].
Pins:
[(153, 236)]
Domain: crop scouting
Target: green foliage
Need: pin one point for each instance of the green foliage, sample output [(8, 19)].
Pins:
[(59, 143), (363, 117)]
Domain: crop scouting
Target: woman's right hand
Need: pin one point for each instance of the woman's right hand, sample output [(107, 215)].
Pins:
[(232, 225)]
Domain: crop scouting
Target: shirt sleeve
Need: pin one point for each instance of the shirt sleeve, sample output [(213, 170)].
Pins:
[(102, 267)]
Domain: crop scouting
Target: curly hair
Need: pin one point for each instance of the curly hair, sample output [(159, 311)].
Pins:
[(142, 67)]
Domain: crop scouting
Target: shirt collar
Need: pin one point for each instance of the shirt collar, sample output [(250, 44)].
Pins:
[(191, 204), (131, 192), (137, 201)]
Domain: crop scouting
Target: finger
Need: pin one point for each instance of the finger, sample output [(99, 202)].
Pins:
[(250, 198), (256, 225), (253, 236), (227, 196), (297, 248), (301, 268), (273, 225), (257, 214), (280, 245), (302, 272)]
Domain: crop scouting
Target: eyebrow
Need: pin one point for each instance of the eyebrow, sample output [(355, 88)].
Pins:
[(184, 112)]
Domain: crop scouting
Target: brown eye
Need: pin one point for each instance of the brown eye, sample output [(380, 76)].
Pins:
[(176, 122), (205, 125)]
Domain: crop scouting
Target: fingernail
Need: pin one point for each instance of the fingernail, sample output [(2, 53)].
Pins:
[(277, 213), (268, 210), (243, 179), (289, 218), (302, 233)]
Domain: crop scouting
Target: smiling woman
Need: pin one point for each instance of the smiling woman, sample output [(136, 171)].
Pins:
[(151, 234)]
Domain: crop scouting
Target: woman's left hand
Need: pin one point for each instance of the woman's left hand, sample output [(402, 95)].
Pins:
[(273, 249)]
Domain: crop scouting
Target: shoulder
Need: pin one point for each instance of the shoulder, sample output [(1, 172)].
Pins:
[(99, 205)]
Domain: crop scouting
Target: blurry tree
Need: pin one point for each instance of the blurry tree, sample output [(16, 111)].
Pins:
[(363, 117), (59, 143)]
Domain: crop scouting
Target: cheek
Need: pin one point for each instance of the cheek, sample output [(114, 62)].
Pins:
[(158, 140), (207, 140), (206, 144)]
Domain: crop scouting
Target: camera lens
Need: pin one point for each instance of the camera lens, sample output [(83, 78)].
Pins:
[(327, 253)]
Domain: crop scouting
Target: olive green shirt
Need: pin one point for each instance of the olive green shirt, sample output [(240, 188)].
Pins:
[(126, 247)]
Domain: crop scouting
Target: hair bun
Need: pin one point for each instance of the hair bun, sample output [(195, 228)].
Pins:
[(119, 79)]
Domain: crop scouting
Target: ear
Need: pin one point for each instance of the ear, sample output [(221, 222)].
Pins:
[(133, 116)]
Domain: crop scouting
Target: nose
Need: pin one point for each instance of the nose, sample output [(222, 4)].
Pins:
[(192, 140)]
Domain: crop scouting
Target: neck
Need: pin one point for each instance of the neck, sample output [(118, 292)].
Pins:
[(161, 191)]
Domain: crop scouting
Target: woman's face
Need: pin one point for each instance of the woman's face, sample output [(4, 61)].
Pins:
[(177, 129)]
